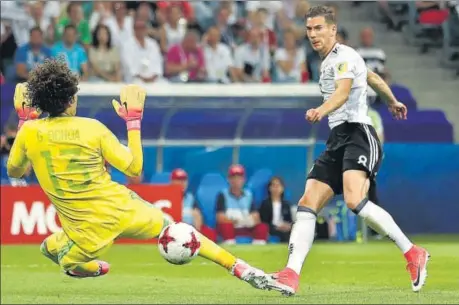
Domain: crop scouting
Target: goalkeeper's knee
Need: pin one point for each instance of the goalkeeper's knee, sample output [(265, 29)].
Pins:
[(44, 250)]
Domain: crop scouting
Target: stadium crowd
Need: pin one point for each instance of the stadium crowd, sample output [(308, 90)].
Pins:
[(186, 41)]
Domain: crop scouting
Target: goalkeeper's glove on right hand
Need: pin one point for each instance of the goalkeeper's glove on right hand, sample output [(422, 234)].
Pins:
[(22, 105), (131, 107)]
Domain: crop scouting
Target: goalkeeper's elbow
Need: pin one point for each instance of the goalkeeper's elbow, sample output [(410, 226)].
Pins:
[(15, 172), (134, 171)]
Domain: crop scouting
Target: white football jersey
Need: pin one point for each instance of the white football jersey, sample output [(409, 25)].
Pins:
[(341, 63)]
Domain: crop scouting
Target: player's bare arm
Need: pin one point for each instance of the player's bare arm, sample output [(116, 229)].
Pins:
[(398, 110), (338, 98)]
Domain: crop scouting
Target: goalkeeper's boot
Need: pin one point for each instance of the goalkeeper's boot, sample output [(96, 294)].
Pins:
[(285, 281), (255, 277), (104, 267), (417, 259)]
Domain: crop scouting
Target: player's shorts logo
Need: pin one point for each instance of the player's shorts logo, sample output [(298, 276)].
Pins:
[(362, 160)]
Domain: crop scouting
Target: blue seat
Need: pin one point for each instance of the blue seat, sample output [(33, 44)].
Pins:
[(273, 239), (258, 184), (211, 184), (161, 178)]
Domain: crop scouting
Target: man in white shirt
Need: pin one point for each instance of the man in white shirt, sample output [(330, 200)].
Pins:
[(218, 58), (352, 157), (375, 57), (252, 59), (141, 58)]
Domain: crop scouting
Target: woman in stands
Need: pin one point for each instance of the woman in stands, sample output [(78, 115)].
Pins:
[(275, 210)]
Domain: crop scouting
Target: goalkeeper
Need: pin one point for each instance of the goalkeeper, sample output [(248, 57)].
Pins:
[(68, 154)]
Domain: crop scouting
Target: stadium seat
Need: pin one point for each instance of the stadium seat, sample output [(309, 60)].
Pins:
[(161, 178), (118, 176), (258, 183), (211, 184), (273, 239)]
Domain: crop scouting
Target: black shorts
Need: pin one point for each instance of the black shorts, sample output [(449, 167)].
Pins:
[(350, 146)]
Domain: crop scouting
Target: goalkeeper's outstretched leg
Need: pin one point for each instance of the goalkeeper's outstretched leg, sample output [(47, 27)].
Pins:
[(148, 223)]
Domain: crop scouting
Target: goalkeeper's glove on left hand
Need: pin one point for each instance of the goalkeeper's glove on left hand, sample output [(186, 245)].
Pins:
[(131, 107), (22, 105)]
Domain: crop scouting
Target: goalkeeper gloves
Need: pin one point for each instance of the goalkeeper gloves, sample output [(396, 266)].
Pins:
[(22, 105), (131, 107)]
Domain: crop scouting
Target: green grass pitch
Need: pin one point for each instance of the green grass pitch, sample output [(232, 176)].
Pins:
[(333, 273)]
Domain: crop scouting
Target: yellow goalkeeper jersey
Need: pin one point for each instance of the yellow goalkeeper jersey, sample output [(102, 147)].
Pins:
[(68, 156)]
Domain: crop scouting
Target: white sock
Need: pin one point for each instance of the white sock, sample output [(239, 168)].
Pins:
[(381, 221), (301, 238)]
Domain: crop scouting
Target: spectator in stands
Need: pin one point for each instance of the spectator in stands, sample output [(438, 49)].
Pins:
[(191, 209), (184, 6), (31, 54), (104, 59), (374, 57), (290, 61), (121, 25), (185, 61), (227, 32), (175, 26), (252, 60), (272, 7), (15, 18), (342, 37), (72, 52), (218, 58), (236, 211), (102, 11), (275, 211), (75, 17), (269, 39), (141, 57), (43, 22)]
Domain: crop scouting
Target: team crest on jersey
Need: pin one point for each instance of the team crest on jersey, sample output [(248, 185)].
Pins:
[(342, 67)]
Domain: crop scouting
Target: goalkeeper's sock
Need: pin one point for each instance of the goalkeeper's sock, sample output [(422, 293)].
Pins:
[(381, 221), (90, 269), (215, 253), (301, 238)]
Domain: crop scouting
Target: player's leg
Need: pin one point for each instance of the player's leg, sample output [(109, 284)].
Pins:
[(62, 251), (360, 164), (316, 195), (78, 263), (148, 222), (51, 246)]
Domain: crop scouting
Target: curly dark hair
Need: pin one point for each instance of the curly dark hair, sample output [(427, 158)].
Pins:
[(51, 86)]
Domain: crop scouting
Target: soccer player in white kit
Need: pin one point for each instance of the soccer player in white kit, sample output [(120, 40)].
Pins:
[(352, 157)]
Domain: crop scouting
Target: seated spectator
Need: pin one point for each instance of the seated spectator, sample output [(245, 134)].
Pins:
[(102, 11), (218, 58), (290, 61), (39, 19), (121, 25), (184, 6), (72, 52), (31, 54), (374, 57), (342, 37), (252, 60), (236, 211), (227, 32), (141, 58), (104, 59), (185, 61), (191, 210), (275, 211), (175, 27), (75, 17), (6, 142), (269, 39), (272, 7)]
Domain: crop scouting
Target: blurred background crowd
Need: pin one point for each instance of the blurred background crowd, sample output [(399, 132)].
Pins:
[(183, 41)]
